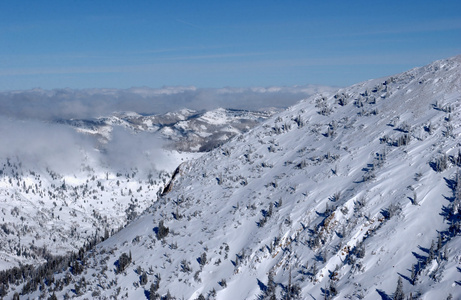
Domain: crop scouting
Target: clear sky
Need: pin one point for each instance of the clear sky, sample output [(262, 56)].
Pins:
[(121, 44)]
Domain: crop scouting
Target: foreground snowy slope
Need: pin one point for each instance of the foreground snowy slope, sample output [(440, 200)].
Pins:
[(337, 197)]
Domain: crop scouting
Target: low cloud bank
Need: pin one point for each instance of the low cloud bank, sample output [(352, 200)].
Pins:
[(90, 103), (39, 145), (30, 135), (127, 150)]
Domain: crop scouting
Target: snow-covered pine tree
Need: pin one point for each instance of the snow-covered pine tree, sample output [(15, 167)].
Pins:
[(399, 294)]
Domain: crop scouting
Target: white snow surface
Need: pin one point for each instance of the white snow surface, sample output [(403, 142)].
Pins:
[(44, 212), (337, 172)]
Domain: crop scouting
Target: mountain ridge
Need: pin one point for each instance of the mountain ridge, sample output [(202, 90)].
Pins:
[(185, 130), (353, 195)]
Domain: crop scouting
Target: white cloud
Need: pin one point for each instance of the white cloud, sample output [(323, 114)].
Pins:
[(39, 144), (91, 103)]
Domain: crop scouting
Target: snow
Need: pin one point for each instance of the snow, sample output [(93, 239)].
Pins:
[(351, 158)]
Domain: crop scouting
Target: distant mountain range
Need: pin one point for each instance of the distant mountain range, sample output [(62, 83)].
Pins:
[(186, 130)]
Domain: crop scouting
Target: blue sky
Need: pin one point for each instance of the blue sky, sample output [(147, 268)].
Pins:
[(121, 44)]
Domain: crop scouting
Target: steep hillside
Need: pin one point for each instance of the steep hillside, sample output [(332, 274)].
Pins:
[(47, 211), (349, 196)]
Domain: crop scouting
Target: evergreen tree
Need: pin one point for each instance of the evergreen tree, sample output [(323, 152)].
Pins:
[(53, 297), (152, 292), (360, 251), (314, 269), (439, 242), (270, 291), (123, 261), (203, 259), (332, 290), (143, 278), (200, 297), (168, 296), (398, 294), (413, 275), (431, 252), (162, 231)]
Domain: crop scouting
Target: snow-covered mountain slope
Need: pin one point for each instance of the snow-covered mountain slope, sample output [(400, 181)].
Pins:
[(349, 196), (45, 211)]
